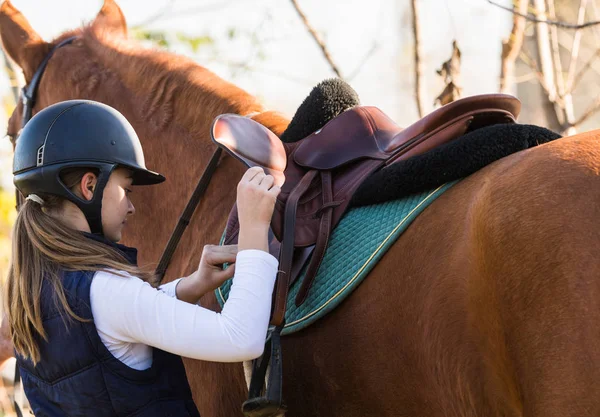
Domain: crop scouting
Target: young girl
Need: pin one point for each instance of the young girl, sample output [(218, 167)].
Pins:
[(91, 336)]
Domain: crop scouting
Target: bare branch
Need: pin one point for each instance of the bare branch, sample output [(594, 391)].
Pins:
[(583, 69), (591, 111), (512, 46), (363, 60), (570, 128), (418, 64), (532, 64), (526, 77), (592, 59), (576, 45), (553, 107), (244, 66), (317, 39), (558, 73), (550, 22), (166, 13), (543, 43)]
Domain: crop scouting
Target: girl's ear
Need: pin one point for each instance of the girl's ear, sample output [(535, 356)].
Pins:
[(87, 185)]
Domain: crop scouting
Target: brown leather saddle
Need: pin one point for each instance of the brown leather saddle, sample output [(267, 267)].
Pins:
[(319, 174)]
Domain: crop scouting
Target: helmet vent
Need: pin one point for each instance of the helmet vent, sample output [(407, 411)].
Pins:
[(40, 156)]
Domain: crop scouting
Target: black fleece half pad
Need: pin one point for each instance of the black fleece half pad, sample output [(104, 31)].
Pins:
[(451, 161), (325, 102)]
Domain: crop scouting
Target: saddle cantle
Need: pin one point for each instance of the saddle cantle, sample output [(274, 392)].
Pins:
[(319, 174)]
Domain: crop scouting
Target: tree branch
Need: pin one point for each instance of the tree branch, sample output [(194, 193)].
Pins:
[(575, 48), (418, 64), (550, 22), (570, 128), (583, 70), (317, 39), (545, 54), (558, 73), (532, 64), (512, 46), (165, 13), (564, 102), (592, 110), (363, 61)]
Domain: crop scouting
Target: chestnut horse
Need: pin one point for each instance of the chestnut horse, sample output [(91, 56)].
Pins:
[(488, 305)]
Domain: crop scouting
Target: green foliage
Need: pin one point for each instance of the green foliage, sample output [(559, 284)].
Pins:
[(195, 42), (166, 39), (155, 36)]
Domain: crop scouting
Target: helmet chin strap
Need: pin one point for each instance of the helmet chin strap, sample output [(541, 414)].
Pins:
[(92, 209)]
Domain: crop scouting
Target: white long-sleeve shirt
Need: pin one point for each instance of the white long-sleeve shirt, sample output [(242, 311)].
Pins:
[(131, 316)]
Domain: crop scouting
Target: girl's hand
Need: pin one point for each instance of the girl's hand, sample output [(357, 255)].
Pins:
[(209, 276), (256, 196)]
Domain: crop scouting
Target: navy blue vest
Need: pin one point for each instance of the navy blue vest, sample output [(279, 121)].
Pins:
[(78, 376)]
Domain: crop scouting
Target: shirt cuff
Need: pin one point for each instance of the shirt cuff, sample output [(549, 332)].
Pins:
[(253, 254), (170, 288)]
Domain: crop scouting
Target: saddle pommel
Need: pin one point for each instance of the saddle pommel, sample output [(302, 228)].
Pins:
[(251, 143)]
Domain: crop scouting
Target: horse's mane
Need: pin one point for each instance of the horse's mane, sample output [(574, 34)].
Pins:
[(163, 83)]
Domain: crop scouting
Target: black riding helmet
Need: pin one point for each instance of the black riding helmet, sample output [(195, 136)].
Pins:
[(78, 133)]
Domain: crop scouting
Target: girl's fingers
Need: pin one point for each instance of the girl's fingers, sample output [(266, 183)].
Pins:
[(251, 173), (226, 273), (267, 182), (274, 190), (215, 255)]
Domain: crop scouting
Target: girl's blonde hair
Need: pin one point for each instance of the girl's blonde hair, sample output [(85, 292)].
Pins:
[(42, 247)]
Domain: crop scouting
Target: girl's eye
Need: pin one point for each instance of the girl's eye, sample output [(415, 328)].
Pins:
[(128, 191)]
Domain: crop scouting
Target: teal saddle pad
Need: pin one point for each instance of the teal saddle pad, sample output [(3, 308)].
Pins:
[(359, 241)]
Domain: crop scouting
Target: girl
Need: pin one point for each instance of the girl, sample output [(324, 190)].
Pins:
[(91, 336)]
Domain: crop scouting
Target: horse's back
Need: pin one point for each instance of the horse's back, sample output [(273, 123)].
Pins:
[(487, 304)]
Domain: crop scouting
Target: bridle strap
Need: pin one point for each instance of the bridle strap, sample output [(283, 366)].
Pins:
[(184, 219), (28, 94)]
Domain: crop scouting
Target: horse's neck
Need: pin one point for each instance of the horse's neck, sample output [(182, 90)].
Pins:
[(172, 102), (173, 88)]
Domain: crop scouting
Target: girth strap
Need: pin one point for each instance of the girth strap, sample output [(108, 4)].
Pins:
[(322, 239), (287, 248)]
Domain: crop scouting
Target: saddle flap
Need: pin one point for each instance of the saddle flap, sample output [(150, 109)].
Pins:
[(251, 143)]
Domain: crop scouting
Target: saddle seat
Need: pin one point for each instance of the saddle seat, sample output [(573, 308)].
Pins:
[(319, 174)]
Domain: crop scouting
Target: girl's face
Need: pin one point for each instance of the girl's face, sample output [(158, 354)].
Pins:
[(116, 205)]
